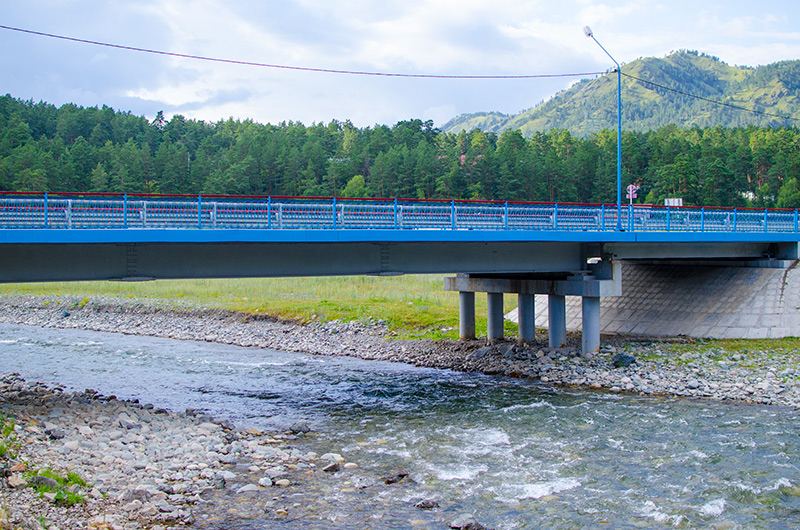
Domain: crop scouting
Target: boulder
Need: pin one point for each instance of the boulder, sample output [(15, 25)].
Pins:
[(623, 360)]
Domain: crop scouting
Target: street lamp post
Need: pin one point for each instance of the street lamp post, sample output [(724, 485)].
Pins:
[(588, 32)]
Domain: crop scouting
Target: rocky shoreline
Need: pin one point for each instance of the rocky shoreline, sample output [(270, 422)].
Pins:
[(145, 467), (134, 466)]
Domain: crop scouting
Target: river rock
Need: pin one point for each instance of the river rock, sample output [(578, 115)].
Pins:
[(16, 481), (623, 360), (466, 522), (479, 354), (333, 467), (43, 481), (426, 504), (299, 427), (395, 478), (55, 433)]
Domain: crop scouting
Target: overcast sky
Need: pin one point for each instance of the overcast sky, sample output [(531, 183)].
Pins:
[(442, 37)]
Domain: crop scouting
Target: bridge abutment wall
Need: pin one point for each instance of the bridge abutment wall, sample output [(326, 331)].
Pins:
[(696, 300)]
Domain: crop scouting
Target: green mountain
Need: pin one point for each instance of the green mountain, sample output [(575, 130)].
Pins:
[(591, 104)]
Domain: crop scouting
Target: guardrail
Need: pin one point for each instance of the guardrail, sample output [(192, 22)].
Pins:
[(132, 212)]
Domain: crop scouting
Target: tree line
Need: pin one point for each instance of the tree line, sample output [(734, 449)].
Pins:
[(75, 149)]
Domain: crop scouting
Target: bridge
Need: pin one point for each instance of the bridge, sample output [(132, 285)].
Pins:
[(498, 248)]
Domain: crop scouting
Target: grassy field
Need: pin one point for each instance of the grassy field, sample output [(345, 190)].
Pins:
[(412, 306)]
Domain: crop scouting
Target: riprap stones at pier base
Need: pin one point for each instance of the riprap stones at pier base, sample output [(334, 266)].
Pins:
[(660, 367)]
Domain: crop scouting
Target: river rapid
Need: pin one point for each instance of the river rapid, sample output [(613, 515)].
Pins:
[(514, 453)]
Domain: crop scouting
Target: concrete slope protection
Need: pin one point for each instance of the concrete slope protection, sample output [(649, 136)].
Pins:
[(710, 301)]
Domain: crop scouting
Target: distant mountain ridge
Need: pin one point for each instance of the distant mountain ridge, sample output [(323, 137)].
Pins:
[(591, 105)]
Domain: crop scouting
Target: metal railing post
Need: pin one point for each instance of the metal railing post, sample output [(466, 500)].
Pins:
[(795, 220), (669, 219), (333, 203), (505, 216), (603, 217), (395, 213), (199, 212), (735, 218), (766, 213), (703, 219), (45, 210), (453, 213), (630, 218), (269, 212), (124, 210)]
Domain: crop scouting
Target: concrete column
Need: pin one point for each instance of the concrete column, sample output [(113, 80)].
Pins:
[(495, 316), (526, 316), (557, 320), (466, 315), (591, 325)]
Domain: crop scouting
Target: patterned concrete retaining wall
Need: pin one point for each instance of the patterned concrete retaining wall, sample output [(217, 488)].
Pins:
[(697, 301)]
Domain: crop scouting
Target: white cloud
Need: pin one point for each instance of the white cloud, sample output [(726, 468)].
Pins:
[(411, 36)]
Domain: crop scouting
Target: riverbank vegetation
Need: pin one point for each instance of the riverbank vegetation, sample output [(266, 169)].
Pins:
[(411, 306), (75, 149)]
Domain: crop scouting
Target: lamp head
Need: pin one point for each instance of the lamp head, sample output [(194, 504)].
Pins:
[(588, 31)]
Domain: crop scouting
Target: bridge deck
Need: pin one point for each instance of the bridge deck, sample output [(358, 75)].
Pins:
[(70, 238)]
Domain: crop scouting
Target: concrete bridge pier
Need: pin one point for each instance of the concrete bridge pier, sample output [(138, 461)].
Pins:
[(526, 315), (590, 332), (557, 320), (495, 316), (599, 280), (466, 315)]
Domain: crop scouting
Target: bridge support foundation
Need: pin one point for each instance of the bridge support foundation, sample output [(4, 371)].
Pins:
[(599, 280), (557, 320)]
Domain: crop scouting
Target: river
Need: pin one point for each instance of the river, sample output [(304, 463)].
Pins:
[(515, 453)]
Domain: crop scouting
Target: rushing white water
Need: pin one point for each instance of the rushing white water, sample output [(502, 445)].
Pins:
[(516, 454)]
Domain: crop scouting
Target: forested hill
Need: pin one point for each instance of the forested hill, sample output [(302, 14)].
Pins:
[(591, 105), (44, 148)]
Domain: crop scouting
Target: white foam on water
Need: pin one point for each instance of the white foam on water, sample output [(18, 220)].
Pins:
[(713, 508), (492, 437), (649, 509), (458, 472), (698, 454), (542, 489), (528, 406)]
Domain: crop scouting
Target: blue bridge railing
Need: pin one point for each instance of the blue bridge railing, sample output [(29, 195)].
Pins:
[(289, 213)]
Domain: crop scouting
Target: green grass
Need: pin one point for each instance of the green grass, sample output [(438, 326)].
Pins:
[(66, 491), (412, 306), (8, 438)]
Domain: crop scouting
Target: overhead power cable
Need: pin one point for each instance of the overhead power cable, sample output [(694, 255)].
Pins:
[(288, 67), (721, 103)]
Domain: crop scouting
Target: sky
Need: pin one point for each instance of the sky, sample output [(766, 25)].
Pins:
[(431, 37)]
